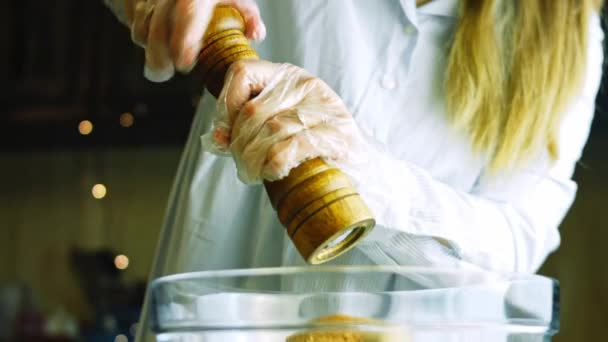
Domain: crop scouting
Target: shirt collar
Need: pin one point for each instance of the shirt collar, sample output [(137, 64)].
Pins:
[(446, 8)]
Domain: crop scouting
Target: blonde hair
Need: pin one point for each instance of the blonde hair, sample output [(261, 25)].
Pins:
[(512, 69)]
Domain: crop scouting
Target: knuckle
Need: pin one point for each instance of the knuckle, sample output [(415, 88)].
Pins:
[(239, 68), (273, 160), (174, 52), (249, 109), (274, 125), (310, 82), (274, 165), (138, 39), (249, 7)]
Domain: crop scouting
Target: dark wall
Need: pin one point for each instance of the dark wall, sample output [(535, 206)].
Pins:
[(68, 60)]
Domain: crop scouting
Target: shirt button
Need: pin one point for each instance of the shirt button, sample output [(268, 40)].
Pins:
[(388, 82), (410, 29)]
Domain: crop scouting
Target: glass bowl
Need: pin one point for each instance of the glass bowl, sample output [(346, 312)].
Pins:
[(354, 303)]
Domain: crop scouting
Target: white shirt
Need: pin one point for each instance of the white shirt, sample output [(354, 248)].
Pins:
[(386, 60)]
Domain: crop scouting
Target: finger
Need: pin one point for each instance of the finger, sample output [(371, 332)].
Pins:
[(251, 148), (129, 6), (142, 13), (221, 137), (287, 89), (238, 89), (252, 135), (251, 145), (244, 80), (254, 25), (320, 141), (159, 67), (191, 20)]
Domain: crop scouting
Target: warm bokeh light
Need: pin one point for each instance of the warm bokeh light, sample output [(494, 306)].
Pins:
[(99, 191), (127, 119), (85, 127), (121, 338), (121, 262)]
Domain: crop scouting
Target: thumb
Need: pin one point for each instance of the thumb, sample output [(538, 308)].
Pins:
[(244, 80), (191, 18), (254, 25)]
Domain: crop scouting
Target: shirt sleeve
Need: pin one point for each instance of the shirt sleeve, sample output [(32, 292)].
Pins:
[(507, 222)]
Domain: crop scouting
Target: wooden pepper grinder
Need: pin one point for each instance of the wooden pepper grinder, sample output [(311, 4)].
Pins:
[(323, 214)]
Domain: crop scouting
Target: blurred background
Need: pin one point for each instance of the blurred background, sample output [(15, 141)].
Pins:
[(89, 149)]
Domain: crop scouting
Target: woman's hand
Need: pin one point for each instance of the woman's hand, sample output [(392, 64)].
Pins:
[(171, 31), (272, 117)]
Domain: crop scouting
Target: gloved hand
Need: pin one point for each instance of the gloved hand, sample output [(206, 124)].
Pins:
[(171, 31), (292, 118)]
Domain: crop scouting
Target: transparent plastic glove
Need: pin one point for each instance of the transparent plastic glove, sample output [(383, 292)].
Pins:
[(171, 31), (272, 117)]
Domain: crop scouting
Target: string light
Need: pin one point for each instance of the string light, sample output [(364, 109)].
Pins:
[(127, 120), (121, 338), (99, 191), (121, 262), (85, 127)]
